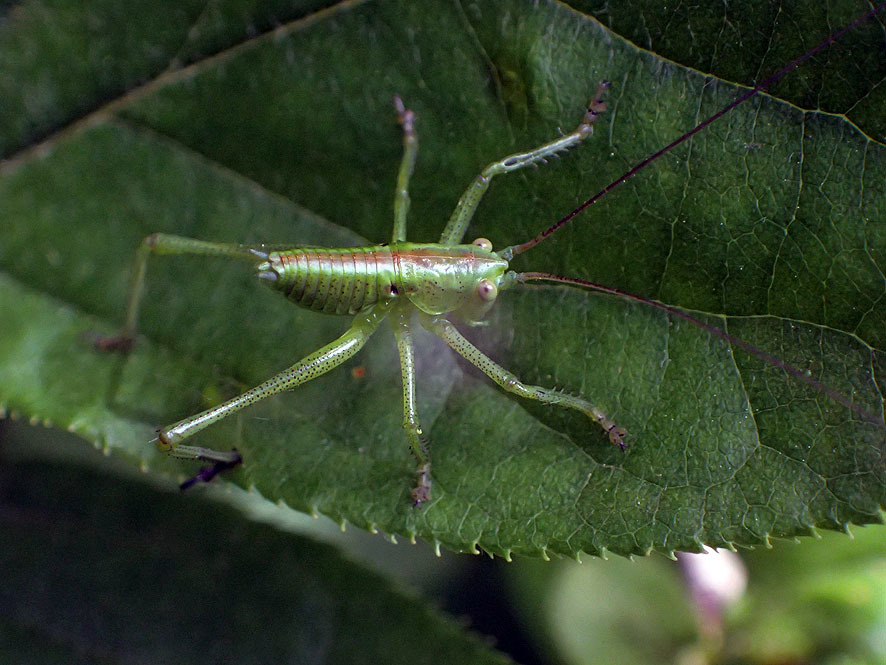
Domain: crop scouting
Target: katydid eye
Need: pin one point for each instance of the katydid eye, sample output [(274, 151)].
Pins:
[(487, 290), (483, 243)]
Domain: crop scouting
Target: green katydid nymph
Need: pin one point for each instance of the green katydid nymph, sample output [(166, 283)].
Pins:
[(429, 284), (400, 281)]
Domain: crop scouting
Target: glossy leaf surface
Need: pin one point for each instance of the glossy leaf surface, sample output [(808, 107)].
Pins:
[(769, 224)]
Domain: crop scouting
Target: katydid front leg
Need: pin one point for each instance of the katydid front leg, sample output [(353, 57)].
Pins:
[(448, 332), (467, 204)]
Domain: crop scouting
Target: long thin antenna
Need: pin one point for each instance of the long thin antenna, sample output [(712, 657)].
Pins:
[(509, 252), (800, 375)]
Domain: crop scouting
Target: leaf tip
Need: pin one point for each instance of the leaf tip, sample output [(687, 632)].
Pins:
[(812, 532), (699, 545)]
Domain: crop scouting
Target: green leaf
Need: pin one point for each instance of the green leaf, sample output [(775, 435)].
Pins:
[(98, 569), (744, 42), (770, 223)]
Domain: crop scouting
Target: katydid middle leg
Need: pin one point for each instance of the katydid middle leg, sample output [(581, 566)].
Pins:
[(444, 329), (400, 322), (467, 204), (406, 118)]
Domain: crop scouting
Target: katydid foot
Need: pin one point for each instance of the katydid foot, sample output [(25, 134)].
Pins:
[(221, 461), (207, 473), (422, 492)]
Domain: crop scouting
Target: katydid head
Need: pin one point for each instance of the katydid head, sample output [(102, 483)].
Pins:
[(489, 276), (486, 276), (462, 280), (483, 243), (487, 285)]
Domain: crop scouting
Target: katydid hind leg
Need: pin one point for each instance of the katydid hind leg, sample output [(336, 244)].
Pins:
[(169, 439), (207, 473), (162, 243)]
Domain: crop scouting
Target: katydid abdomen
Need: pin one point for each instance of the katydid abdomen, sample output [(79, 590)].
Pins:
[(434, 278), (334, 281)]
